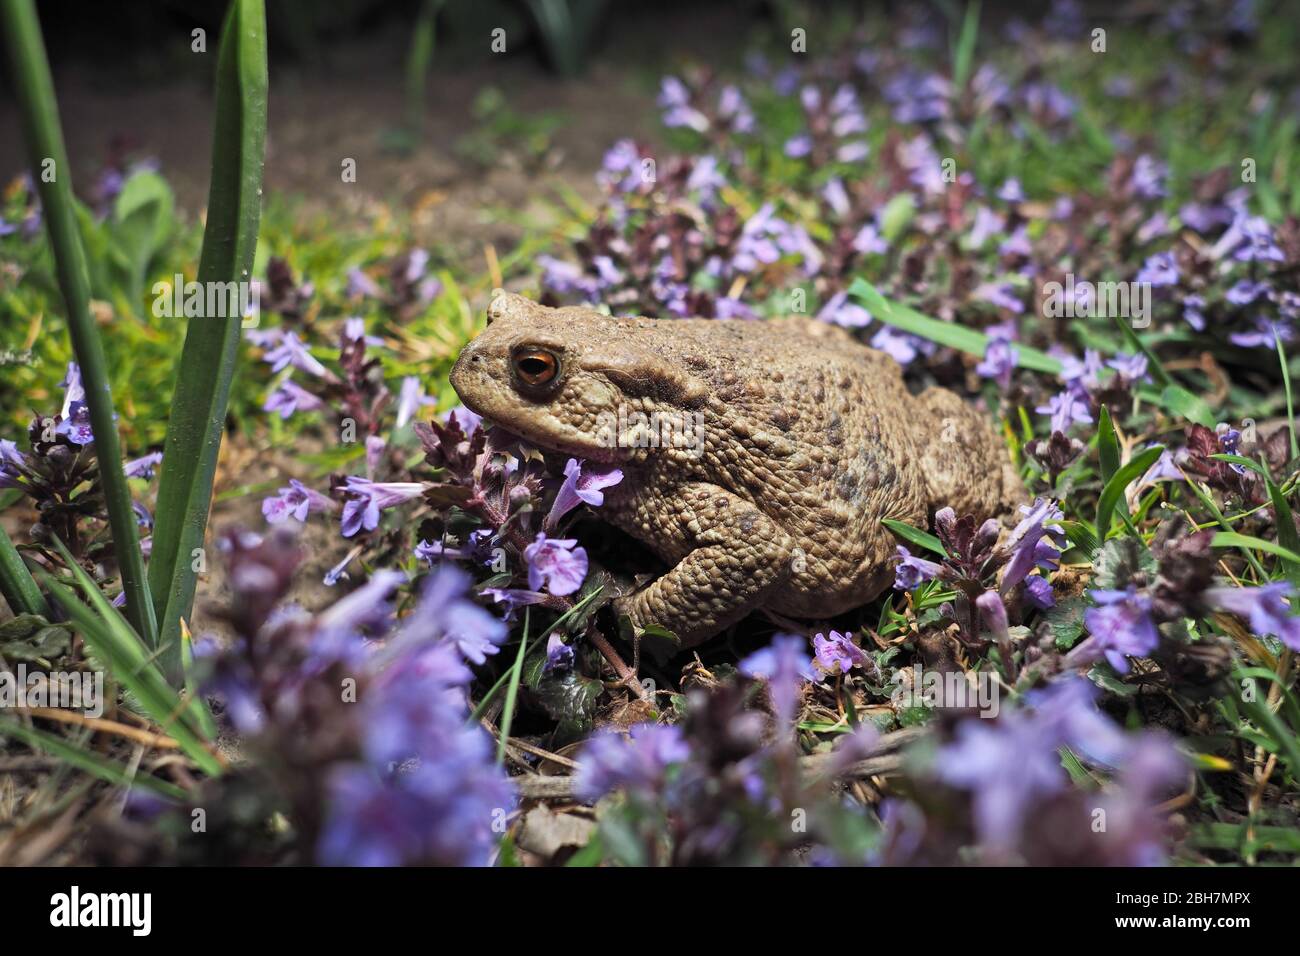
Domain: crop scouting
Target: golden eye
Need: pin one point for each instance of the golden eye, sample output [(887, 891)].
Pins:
[(536, 366)]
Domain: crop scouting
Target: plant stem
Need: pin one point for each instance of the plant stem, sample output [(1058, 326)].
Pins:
[(34, 89)]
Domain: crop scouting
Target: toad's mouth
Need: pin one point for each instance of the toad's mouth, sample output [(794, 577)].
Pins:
[(551, 437)]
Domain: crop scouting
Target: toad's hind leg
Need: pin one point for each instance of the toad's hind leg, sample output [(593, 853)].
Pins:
[(966, 463)]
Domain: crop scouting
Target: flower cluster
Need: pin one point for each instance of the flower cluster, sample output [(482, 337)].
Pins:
[(363, 721)]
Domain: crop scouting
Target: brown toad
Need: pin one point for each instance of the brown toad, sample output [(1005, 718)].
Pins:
[(758, 457)]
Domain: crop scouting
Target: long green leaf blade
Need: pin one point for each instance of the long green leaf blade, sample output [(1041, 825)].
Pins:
[(16, 582), (211, 343), (85, 760), (34, 89), (1113, 493)]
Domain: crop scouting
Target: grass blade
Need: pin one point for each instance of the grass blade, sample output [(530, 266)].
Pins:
[(207, 364), (16, 582), (945, 333), (123, 654), (1107, 445), (91, 763), (964, 54), (915, 535), (1113, 492), (512, 692), (1286, 381), (34, 89), (1231, 539)]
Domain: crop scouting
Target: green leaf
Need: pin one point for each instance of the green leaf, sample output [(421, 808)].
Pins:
[(1081, 536), (945, 333), (1290, 403), (207, 365), (964, 54), (1232, 539), (1120, 560), (1107, 445), (1180, 401), (1065, 618), (1243, 461), (1286, 530), (30, 637), (88, 761), (110, 637), (34, 91), (1113, 492), (897, 216), (918, 537), (16, 582), (141, 226)]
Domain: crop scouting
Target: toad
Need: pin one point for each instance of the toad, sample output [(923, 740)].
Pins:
[(759, 457)]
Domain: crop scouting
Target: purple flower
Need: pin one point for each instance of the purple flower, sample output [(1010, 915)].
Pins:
[(1038, 592), (291, 397), (1159, 270), (1244, 292), (293, 352), (556, 563), (446, 613), (12, 464), (142, 467), (559, 655), (675, 101), (1066, 409), (1008, 766), (999, 359), (410, 399), (1148, 179), (902, 347), (1131, 368), (296, 501), (841, 311), (1262, 336), (1121, 627), (583, 484), (836, 652), (1011, 191), (1017, 244), (784, 666), (987, 223), (1193, 312), (994, 615), (1249, 239), (1036, 540), (1268, 608), (1002, 295), (74, 418), (638, 763), (911, 570), (1084, 375), (361, 286), (869, 241), (732, 107), (366, 499), (1164, 469)]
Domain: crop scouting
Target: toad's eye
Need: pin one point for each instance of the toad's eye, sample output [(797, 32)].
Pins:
[(536, 366)]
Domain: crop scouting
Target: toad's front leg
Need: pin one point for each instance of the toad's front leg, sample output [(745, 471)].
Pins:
[(731, 556)]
